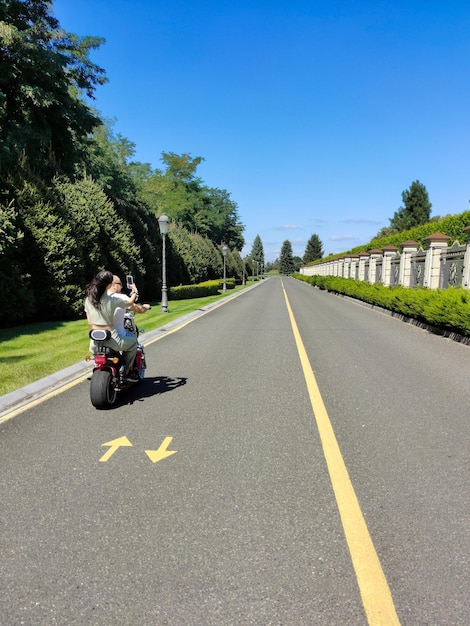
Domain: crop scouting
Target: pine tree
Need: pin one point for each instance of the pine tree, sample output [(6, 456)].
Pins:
[(314, 249), (257, 251), (286, 260), (417, 209)]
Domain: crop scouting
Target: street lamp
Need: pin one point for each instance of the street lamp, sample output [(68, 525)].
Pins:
[(224, 253), (163, 222)]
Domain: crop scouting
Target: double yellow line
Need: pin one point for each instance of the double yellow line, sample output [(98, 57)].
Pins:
[(373, 586)]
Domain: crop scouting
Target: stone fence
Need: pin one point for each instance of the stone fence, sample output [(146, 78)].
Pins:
[(439, 266)]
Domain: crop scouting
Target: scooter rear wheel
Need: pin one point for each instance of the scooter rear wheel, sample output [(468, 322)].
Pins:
[(102, 390)]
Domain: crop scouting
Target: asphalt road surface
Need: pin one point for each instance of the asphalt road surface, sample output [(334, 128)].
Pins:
[(293, 457)]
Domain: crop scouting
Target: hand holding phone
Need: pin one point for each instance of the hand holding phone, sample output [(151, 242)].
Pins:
[(129, 281)]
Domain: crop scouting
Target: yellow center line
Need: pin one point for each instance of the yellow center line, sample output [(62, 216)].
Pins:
[(373, 586)]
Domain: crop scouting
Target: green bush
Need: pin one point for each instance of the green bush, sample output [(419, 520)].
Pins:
[(201, 290), (445, 308)]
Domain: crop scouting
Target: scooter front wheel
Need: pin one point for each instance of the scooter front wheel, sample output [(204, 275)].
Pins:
[(102, 390)]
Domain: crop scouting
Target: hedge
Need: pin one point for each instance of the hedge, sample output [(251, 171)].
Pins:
[(201, 290), (448, 309)]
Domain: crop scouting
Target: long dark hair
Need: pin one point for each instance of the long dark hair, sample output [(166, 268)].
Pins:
[(98, 286)]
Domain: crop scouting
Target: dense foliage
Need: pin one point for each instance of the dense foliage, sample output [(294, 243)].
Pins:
[(72, 200), (286, 259), (451, 225), (444, 308), (314, 249), (416, 209)]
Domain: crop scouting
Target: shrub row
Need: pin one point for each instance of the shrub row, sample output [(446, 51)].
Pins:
[(448, 309), (201, 290)]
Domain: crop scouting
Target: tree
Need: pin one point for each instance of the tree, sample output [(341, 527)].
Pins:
[(417, 209), (44, 123), (297, 261), (386, 231), (286, 259), (314, 249), (179, 193), (257, 251)]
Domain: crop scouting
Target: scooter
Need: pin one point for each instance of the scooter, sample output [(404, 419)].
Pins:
[(108, 378)]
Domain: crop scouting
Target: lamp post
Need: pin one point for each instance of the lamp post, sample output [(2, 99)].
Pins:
[(163, 222), (224, 253)]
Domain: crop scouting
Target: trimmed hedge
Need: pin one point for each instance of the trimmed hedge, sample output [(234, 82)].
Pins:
[(448, 309), (201, 290)]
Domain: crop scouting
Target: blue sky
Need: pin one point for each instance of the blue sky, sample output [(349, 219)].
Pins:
[(314, 115)]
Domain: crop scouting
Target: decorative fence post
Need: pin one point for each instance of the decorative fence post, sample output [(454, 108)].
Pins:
[(374, 257), (363, 258), (408, 248), (354, 266), (436, 267), (432, 268), (389, 252), (466, 261)]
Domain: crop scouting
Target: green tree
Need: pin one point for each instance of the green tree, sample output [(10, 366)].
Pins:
[(183, 196), (218, 218), (314, 249), (191, 257), (417, 209), (16, 282), (44, 123), (386, 231), (257, 252), (286, 259), (107, 161)]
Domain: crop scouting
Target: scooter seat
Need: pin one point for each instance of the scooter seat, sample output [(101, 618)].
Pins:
[(100, 334)]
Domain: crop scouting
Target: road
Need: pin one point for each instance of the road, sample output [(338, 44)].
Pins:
[(293, 457)]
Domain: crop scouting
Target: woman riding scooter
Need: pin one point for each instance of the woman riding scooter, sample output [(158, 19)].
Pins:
[(100, 308)]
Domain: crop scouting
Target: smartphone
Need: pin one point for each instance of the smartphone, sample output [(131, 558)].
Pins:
[(129, 281)]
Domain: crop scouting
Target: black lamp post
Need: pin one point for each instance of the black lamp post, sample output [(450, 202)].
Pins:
[(224, 253), (163, 222)]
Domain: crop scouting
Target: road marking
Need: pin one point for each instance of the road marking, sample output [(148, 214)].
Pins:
[(162, 452), (373, 586), (113, 446)]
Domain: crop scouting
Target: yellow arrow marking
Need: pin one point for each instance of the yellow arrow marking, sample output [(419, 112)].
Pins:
[(114, 445), (162, 452)]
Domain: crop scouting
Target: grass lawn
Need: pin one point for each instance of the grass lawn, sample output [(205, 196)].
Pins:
[(32, 351)]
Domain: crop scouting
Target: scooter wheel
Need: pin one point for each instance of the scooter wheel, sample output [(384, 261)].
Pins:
[(102, 390)]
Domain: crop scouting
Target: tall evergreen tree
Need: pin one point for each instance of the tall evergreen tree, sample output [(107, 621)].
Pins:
[(257, 251), (417, 209), (286, 259), (314, 249)]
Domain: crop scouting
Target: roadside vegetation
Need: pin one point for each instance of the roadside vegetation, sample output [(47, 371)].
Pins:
[(447, 309)]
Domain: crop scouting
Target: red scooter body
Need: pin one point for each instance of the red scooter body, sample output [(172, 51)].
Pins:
[(108, 377)]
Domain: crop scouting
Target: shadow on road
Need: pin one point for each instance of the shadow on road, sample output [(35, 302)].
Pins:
[(154, 386)]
